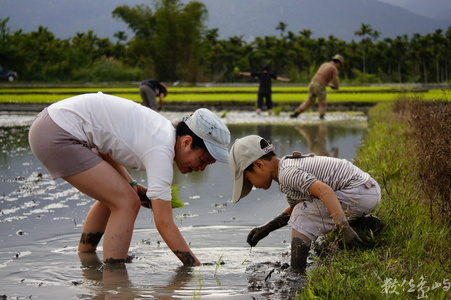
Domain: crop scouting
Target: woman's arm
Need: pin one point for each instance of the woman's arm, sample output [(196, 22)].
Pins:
[(164, 220), (119, 168)]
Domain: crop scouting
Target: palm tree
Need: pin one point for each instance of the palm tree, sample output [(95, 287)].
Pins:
[(282, 26), (366, 30), (121, 36)]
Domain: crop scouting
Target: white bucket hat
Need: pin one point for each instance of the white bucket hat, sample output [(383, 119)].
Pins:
[(339, 58), (212, 131), (242, 154)]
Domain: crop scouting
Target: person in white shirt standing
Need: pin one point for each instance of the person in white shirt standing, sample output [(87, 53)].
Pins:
[(90, 140)]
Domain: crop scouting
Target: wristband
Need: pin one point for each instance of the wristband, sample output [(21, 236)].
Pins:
[(133, 183)]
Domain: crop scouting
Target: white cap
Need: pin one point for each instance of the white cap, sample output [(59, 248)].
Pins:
[(212, 131), (242, 154)]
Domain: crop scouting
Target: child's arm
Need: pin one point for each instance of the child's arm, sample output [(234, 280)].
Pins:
[(245, 73), (326, 194), (261, 232)]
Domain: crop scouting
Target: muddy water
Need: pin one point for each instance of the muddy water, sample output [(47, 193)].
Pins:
[(41, 219)]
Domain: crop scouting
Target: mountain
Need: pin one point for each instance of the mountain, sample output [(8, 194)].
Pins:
[(323, 17), (435, 9), (247, 18)]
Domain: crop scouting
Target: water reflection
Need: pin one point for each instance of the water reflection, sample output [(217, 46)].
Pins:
[(265, 131), (113, 281), (317, 139)]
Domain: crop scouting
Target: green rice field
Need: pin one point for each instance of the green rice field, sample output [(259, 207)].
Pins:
[(283, 94)]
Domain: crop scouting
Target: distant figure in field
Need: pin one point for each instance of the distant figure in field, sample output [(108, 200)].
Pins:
[(327, 72), (264, 91), (149, 90)]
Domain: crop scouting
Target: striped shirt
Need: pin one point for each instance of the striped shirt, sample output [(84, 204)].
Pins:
[(297, 174)]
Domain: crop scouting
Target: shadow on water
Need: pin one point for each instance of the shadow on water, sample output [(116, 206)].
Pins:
[(41, 219)]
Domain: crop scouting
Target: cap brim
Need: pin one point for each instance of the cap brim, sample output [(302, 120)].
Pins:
[(218, 153), (241, 188)]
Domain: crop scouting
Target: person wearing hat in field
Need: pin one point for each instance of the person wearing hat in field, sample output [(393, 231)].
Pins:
[(327, 75), (264, 90), (149, 90), (323, 193), (89, 140)]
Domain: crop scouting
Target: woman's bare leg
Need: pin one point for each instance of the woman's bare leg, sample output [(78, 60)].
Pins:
[(116, 213), (94, 227)]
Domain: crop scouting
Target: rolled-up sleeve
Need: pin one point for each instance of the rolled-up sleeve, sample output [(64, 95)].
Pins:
[(160, 173)]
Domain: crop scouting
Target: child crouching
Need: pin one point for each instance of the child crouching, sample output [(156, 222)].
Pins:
[(322, 192)]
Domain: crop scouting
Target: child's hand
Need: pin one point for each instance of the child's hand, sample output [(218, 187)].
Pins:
[(257, 234)]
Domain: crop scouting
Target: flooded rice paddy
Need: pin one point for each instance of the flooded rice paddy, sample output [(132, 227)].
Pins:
[(41, 220)]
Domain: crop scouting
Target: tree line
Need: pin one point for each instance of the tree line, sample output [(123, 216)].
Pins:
[(171, 43)]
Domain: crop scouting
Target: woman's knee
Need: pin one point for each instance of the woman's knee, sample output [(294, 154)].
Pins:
[(133, 202), (128, 202)]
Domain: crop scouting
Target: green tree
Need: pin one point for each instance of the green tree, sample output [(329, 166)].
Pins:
[(282, 27), (6, 51), (168, 38), (366, 33)]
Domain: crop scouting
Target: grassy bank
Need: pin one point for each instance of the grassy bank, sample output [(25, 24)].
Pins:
[(410, 258)]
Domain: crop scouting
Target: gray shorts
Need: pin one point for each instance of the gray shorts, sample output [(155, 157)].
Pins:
[(311, 218), (61, 153)]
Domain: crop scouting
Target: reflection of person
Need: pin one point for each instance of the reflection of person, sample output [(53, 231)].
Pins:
[(149, 90), (108, 278), (265, 131), (124, 134), (322, 192), (264, 91), (317, 142), (327, 72)]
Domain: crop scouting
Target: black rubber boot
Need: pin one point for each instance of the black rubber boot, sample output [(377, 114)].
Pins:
[(368, 222), (299, 253)]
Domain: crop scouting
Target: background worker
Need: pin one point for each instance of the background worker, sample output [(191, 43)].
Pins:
[(90, 140), (327, 75), (264, 91), (149, 90)]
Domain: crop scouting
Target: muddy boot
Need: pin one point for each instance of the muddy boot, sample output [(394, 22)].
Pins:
[(368, 222), (299, 253)]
